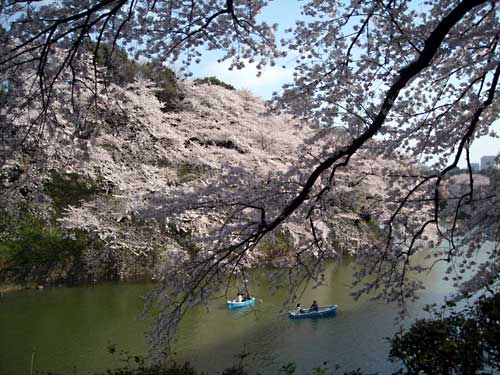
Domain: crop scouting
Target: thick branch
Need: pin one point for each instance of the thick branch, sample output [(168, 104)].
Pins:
[(431, 46)]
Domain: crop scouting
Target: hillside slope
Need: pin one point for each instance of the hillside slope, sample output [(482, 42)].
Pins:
[(89, 177)]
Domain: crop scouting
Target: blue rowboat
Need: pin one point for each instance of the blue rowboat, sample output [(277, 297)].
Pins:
[(323, 311), (235, 304)]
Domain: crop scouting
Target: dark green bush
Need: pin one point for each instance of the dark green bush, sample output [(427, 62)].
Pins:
[(69, 189), (167, 95), (167, 91), (488, 319), (165, 79), (213, 81), (121, 69), (454, 343), (35, 247), (157, 73)]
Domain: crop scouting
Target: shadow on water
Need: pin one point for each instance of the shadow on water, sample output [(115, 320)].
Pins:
[(350, 338), (347, 339)]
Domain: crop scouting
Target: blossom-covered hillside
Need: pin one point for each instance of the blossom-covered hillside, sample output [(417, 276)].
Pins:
[(94, 177)]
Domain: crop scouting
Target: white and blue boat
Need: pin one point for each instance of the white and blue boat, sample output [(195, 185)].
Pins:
[(235, 304), (322, 311)]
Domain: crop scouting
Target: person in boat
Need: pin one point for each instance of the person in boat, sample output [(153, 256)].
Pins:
[(246, 296), (299, 309), (239, 298), (314, 306)]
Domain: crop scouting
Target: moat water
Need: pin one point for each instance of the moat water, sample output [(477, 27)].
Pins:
[(67, 330)]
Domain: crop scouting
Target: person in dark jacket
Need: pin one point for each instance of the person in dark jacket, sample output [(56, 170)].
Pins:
[(246, 295), (314, 306)]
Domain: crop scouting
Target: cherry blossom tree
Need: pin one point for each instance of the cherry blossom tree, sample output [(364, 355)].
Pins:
[(415, 82)]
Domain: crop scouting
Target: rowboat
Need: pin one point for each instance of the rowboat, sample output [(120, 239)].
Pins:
[(323, 311), (235, 304)]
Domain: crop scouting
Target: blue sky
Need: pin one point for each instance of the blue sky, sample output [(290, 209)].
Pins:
[(285, 12)]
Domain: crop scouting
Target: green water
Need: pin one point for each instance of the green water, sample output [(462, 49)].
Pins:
[(68, 329)]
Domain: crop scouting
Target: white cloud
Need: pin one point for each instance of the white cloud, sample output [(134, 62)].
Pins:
[(271, 79)]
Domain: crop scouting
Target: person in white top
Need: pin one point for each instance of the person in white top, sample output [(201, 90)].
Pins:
[(299, 309)]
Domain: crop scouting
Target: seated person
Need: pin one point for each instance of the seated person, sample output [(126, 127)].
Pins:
[(299, 309), (246, 296), (239, 298), (314, 306)]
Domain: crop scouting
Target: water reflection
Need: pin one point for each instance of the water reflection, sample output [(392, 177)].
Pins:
[(72, 327)]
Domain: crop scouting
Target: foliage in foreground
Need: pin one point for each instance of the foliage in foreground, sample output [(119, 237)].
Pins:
[(187, 369), (137, 365), (456, 343)]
